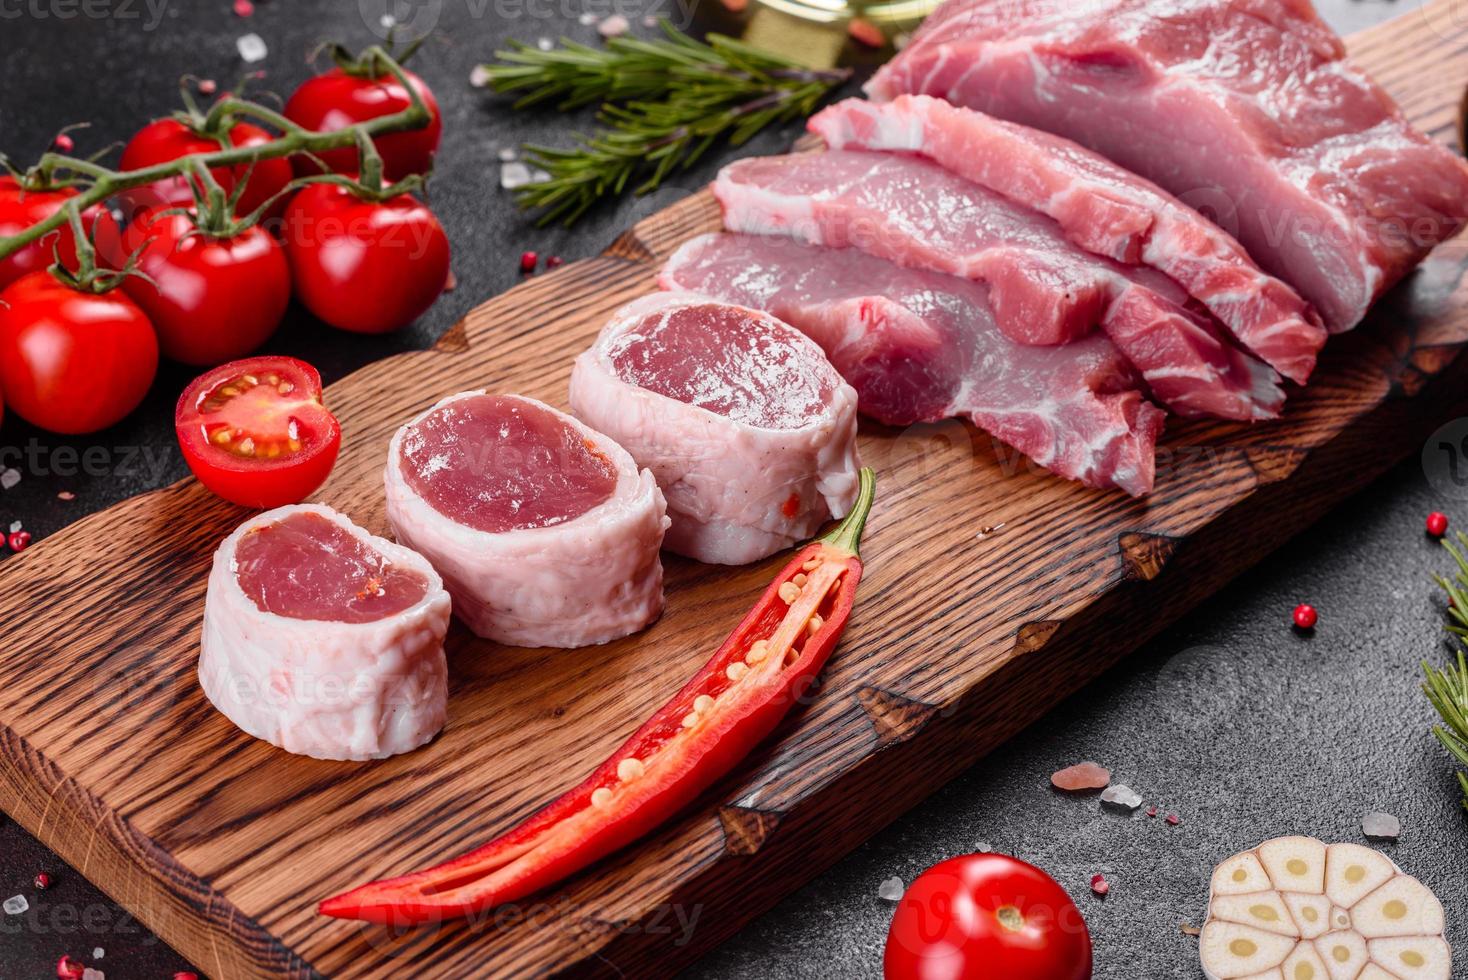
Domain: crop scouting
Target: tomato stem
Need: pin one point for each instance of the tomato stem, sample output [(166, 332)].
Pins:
[(105, 183), (847, 535)]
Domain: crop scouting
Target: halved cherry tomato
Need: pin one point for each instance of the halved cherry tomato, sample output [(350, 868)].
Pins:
[(256, 433), (19, 209), (987, 917), (341, 98), (364, 265), (163, 140), (211, 299), (73, 361)]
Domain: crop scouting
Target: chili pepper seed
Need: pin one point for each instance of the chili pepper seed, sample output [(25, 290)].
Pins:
[(789, 592)]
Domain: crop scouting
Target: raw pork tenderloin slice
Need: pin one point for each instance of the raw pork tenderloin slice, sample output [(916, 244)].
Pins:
[(324, 640), (545, 531), (1101, 207), (922, 346), (915, 213), (748, 428), (1246, 109)]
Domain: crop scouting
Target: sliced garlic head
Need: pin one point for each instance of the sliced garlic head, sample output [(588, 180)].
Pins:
[(1294, 909)]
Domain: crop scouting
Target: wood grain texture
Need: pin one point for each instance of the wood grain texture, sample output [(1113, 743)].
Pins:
[(110, 754)]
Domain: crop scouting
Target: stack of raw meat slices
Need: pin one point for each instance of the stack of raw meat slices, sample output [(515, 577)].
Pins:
[(1053, 284)]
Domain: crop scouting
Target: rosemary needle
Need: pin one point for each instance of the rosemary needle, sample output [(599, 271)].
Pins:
[(1447, 689), (664, 103)]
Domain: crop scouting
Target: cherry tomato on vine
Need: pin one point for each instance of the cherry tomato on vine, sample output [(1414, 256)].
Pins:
[(73, 361), (19, 209), (987, 917), (256, 432), (344, 96), (163, 140), (364, 265), (211, 299)]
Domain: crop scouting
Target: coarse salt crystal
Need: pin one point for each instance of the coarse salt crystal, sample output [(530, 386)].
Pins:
[(650, 21), (479, 76), (587, 19), (507, 154), (66, 495), (544, 43), (1121, 796), (514, 174), (614, 26), (1081, 777), (91, 974), (1381, 826), (251, 48), (98, 953), (15, 526), (15, 905), (890, 890), (388, 22), (9, 478)]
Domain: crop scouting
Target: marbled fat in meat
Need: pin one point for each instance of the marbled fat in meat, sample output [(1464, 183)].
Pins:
[(307, 567), (502, 464), (722, 360)]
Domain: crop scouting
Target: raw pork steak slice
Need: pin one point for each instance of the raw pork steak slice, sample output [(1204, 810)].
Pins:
[(749, 430), (1101, 208), (323, 639), (921, 346), (545, 531), (915, 213), (1246, 109)]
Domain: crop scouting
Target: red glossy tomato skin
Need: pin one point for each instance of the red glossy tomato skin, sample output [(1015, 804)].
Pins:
[(337, 99), (950, 925), (210, 299), (261, 483), (364, 266), (21, 208), (73, 362), (168, 139)]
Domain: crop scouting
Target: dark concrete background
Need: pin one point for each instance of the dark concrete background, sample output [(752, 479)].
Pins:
[(1240, 725)]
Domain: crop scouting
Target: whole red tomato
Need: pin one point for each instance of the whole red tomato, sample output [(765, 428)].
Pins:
[(211, 299), (364, 265), (987, 917), (19, 209), (341, 98), (73, 361), (256, 432), (168, 139)]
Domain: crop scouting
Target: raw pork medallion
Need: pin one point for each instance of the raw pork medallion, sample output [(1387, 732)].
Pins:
[(1101, 207), (1295, 909), (921, 346), (1245, 109), (749, 430), (323, 639), (545, 531), (1043, 289)]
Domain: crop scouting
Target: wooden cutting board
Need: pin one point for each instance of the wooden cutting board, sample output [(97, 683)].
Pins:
[(223, 845)]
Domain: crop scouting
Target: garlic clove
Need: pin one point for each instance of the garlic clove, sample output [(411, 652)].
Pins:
[(1295, 864), (1262, 910), (1240, 875), (1352, 872), (1230, 950), (1310, 912), (1413, 957), (1401, 907), (1344, 954), (1305, 964)]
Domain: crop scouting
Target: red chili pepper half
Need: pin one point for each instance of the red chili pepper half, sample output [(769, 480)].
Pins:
[(729, 707)]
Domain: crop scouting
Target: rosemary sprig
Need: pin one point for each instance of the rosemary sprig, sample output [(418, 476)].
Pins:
[(664, 103), (1447, 689)]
